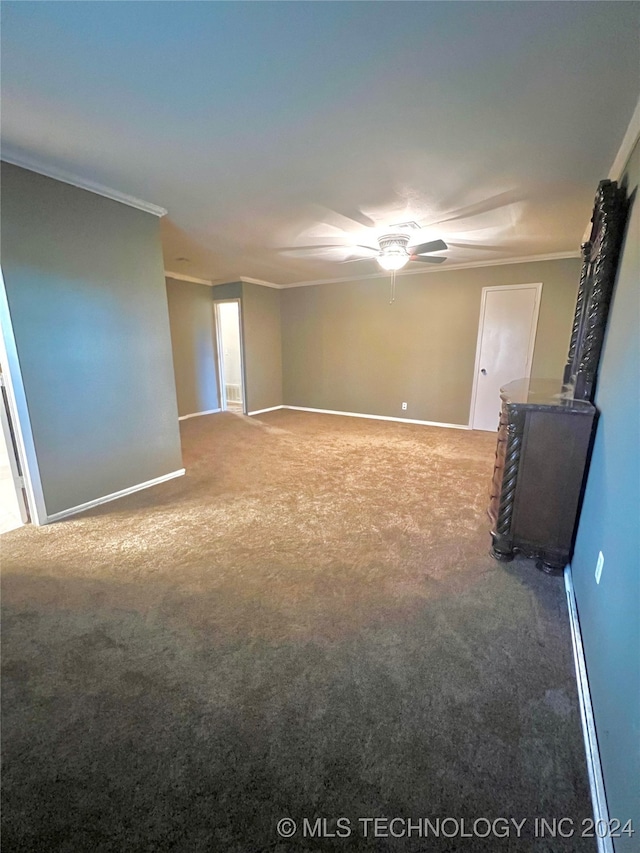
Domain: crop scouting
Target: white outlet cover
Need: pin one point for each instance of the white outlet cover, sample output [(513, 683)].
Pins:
[(599, 566), (404, 407)]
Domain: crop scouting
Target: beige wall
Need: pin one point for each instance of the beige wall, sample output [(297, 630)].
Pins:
[(193, 344), (229, 290), (262, 346), (86, 291), (345, 348)]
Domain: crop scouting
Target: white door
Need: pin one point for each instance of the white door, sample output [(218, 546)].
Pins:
[(506, 335)]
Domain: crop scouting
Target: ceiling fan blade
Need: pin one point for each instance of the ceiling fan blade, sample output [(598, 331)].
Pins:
[(361, 253), (428, 259), (359, 256), (425, 248)]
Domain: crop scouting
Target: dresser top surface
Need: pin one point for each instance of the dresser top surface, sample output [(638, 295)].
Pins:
[(543, 392)]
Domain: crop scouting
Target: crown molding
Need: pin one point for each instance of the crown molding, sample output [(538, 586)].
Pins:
[(530, 259), (178, 276), (33, 165), (557, 256), (630, 138), (263, 283), (244, 278)]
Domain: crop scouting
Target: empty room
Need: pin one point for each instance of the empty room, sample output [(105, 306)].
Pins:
[(320, 426)]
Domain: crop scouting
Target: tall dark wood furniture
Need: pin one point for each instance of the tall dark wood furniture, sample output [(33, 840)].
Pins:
[(546, 427), (599, 265), (543, 441)]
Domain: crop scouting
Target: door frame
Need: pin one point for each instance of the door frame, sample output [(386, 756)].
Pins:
[(532, 338), (8, 434), (19, 413), (220, 355)]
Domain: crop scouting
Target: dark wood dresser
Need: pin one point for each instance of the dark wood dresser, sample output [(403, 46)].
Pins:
[(544, 440), (547, 426)]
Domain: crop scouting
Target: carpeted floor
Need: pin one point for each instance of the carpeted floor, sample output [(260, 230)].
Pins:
[(308, 625)]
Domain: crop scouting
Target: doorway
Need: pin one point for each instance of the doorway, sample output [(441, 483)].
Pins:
[(230, 362), (13, 502), (506, 337)]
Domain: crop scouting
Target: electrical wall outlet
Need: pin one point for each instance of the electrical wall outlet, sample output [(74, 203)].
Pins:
[(599, 566), (404, 407)]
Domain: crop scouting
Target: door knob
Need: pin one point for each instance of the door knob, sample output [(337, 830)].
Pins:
[(483, 372)]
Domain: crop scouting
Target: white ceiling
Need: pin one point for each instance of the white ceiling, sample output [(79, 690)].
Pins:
[(267, 125)]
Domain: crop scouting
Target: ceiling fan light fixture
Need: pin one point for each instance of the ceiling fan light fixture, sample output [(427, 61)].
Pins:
[(393, 251), (393, 260)]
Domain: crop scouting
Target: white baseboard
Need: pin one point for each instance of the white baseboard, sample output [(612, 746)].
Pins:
[(198, 414), (272, 409), (58, 516), (594, 765), (377, 417)]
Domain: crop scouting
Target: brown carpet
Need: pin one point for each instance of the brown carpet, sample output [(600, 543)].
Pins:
[(306, 625)]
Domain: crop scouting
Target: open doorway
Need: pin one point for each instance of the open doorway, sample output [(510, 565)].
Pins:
[(230, 364), (13, 502)]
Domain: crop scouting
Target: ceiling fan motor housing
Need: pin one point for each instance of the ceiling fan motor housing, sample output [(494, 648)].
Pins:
[(393, 244)]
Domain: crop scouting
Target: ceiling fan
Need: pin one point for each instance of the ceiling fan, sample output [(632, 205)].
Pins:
[(392, 253), (394, 249)]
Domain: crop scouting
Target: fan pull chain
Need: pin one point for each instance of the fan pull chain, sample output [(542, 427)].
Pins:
[(393, 287)]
